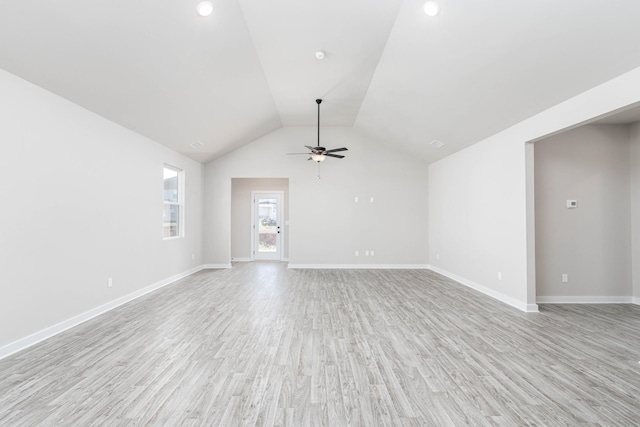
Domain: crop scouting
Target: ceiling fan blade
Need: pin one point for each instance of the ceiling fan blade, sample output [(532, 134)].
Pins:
[(309, 147), (334, 150), (337, 156), (289, 154), (309, 159)]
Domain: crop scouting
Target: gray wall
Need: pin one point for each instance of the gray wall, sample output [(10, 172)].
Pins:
[(592, 243), (326, 226), (241, 189), (82, 202), (634, 134)]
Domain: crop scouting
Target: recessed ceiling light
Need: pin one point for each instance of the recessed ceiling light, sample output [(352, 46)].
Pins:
[(204, 8), (431, 8), (320, 55)]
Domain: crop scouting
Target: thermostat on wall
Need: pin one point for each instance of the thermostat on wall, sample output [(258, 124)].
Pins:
[(572, 204)]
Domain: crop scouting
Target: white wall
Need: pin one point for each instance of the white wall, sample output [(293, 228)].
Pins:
[(592, 243), (82, 202), (241, 206), (326, 225), (479, 217), (634, 139)]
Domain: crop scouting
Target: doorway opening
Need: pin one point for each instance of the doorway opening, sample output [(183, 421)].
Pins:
[(259, 219)]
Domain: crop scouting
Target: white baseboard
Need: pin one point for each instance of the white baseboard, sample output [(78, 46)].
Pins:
[(584, 300), (240, 259), (361, 266), (636, 301), (532, 308), (49, 332), (216, 266), (529, 308)]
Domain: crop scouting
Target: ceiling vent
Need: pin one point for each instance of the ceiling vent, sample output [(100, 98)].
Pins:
[(437, 144), (196, 144)]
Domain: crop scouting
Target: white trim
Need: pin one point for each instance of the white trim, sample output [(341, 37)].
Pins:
[(235, 259), (51, 331), (532, 308), (584, 300), (216, 266), (529, 308), (362, 266), (635, 300)]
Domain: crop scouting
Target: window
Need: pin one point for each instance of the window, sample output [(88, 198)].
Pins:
[(173, 202)]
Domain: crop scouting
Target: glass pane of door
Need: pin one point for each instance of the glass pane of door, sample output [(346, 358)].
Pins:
[(267, 224), (268, 232)]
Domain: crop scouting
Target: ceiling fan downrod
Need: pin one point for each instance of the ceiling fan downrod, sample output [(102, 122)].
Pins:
[(318, 101)]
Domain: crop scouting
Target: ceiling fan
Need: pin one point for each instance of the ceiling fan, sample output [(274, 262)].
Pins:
[(319, 153)]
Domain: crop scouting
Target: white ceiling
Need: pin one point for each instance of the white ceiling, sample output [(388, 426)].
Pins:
[(391, 72)]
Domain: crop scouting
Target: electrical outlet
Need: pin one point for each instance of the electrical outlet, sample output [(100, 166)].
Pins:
[(499, 275), (565, 278), (109, 282), (193, 256), (355, 199), (357, 253), (366, 253), (437, 256), (372, 253), (371, 200)]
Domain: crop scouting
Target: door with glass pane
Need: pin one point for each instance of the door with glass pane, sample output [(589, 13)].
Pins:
[(267, 227)]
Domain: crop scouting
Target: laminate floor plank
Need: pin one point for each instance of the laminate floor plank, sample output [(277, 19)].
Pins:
[(260, 344)]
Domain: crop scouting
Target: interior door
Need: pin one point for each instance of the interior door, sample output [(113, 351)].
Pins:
[(267, 227)]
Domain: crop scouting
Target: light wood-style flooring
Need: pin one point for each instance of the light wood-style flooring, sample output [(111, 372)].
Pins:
[(259, 344)]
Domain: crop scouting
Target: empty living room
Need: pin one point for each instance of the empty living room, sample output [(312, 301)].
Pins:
[(336, 213)]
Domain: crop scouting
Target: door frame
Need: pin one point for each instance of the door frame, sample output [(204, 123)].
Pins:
[(280, 222)]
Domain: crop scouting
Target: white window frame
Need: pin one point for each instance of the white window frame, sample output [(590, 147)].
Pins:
[(179, 203)]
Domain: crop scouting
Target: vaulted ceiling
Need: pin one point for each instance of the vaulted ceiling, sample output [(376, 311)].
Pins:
[(390, 71)]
